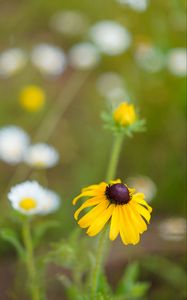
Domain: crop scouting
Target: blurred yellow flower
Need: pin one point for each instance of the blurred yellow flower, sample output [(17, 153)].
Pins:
[(32, 98), (114, 202), (125, 114)]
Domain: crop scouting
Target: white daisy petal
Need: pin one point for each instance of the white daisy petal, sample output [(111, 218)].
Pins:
[(138, 5), (70, 23), (11, 61), (51, 204), (110, 37), (49, 60), (27, 197), (84, 56), (30, 198), (149, 58), (41, 156), (177, 61), (14, 142)]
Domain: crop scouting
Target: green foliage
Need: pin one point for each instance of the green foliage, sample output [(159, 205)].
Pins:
[(74, 253), (41, 228), (11, 236), (68, 253), (104, 287), (168, 271), (129, 288)]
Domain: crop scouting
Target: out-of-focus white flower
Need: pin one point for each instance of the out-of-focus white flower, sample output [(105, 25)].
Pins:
[(149, 58), (41, 156), (173, 229), (111, 86), (177, 61), (70, 23), (30, 198), (110, 37), (11, 61), (144, 185), (108, 82), (51, 203), (138, 5), (14, 142), (84, 56), (27, 197), (50, 60)]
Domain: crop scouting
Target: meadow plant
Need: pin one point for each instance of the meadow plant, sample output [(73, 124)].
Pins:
[(114, 209)]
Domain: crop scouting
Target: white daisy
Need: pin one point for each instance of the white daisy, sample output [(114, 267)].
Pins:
[(110, 37), (138, 5), (177, 61), (145, 185), (41, 156), (70, 23), (11, 61), (14, 142), (149, 58), (84, 56), (51, 203), (28, 197), (173, 229), (50, 60)]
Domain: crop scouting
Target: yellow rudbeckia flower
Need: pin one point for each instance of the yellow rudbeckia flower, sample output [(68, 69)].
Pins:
[(127, 211), (125, 114), (32, 98)]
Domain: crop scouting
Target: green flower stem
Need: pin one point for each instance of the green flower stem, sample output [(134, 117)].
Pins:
[(102, 239), (30, 264), (114, 157)]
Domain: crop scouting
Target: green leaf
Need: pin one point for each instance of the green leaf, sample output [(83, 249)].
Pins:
[(10, 236), (139, 289), (104, 287), (72, 291), (128, 279), (101, 296)]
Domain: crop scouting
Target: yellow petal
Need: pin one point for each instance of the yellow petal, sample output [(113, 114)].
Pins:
[(84, 194), (132, 236), (139, 195), (98, 224), (87, 220), (137, 219), (90, 187), (114, 227), (93, 187), (132, 226), (90, 202), (144, 203), (115, 181), (142, 211), (122, 226)]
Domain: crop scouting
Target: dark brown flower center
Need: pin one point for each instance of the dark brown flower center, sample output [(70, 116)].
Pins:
[(118, 193)]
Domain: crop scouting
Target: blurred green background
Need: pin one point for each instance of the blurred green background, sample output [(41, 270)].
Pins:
[(79, 136)]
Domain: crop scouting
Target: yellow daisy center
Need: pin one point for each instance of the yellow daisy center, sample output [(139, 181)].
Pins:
[(28, 203)]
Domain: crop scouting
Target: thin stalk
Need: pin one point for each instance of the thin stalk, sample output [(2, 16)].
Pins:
[(30, 263), (115, 153), (102, 239)]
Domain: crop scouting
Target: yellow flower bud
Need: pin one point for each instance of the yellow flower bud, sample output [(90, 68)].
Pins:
[(32, 98), (125, 114)]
